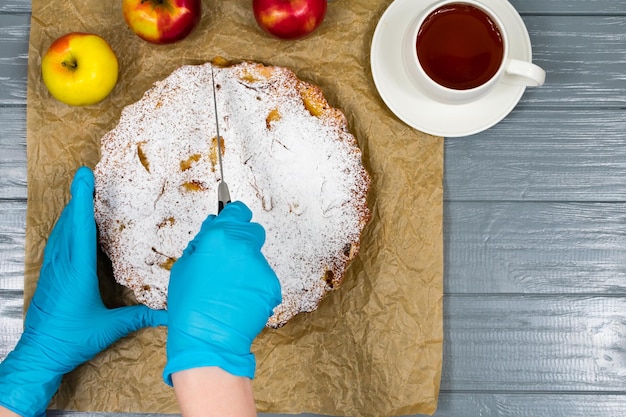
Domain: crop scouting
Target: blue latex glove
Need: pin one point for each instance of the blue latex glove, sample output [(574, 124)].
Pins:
[(221, 293), (66, 323)]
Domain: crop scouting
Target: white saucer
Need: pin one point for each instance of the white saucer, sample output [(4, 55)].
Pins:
[(411, 106)]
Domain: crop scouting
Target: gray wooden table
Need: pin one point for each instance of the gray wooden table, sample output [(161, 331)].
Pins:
[(534, 224)]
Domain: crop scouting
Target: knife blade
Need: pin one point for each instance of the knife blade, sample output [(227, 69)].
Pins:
[(223, 194)]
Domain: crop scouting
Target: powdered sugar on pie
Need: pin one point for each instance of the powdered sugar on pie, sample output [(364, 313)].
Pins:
[(287, 154)]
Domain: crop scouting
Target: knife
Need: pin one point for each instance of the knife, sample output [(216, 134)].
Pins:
[(223, 195)]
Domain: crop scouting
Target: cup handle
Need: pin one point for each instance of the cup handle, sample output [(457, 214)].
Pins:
[(525, 73)]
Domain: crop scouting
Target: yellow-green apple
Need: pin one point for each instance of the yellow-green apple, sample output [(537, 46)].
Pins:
[(162, 21), (79, 69), (289, 19)]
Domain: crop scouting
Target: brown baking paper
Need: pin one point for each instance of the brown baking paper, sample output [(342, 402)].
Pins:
[(374, 346)]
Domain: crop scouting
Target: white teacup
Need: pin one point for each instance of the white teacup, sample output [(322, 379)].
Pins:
[(456, 51)]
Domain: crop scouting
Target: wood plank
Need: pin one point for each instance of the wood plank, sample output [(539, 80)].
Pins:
[(538, 154), (15, 6), (12, 240), (490, 247), (530, 405), (535, 248), (584, 60), (555, 162), (14, 33), (588, 72), (571, 7), (11, 320), (534, 343), (13, 153)]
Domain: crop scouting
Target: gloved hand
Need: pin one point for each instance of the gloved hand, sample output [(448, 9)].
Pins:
[(221, 293), (66, 323)]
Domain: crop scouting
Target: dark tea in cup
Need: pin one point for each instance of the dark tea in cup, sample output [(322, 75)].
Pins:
[(459, 46)]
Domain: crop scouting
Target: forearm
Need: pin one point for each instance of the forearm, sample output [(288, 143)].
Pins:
[(5, 412), (211, 391)]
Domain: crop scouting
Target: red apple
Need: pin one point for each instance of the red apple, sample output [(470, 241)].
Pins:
[(289, 19), (162, 21)]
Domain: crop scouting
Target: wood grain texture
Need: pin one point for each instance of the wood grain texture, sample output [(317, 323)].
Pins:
[(14, 33), (534, 343), (12, 238), (584, 60), (535, 248), (15, 6), (530, 405), (541, 154), (13, 153), (11, 313), (571, 7)]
